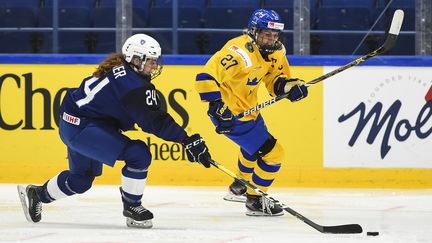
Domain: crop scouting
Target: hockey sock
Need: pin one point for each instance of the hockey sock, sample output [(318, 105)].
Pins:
[(246, 164), (133, 184), (66, 184), (264, 175), (57, 187)]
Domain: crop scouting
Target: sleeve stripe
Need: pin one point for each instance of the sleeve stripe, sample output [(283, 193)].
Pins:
[(206, 77), (210, 95)]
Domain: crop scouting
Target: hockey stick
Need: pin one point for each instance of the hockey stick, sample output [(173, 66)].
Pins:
[(336, 229), (388, 44)]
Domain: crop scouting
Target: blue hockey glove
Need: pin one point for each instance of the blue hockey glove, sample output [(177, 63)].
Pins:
[(196, 150), (295, 88), (223, 116), (297, 93)]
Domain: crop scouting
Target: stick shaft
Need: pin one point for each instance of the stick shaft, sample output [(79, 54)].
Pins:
[(388, 44), (345, 67), (317, 80)]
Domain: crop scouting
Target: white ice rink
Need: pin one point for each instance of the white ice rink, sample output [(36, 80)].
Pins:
[(198, 214)]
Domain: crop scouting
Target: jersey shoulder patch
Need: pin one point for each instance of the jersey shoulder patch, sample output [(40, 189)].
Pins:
[(242, 53)]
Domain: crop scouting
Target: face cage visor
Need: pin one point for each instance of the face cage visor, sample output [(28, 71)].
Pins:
[(156, 72), (266, 49)]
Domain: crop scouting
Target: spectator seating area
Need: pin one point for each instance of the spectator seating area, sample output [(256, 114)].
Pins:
[(326, 16)]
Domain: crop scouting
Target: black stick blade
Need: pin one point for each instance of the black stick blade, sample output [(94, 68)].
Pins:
[(343, 229), (395, 27)]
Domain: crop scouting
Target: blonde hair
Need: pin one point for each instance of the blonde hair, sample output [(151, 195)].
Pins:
[(113, 60)]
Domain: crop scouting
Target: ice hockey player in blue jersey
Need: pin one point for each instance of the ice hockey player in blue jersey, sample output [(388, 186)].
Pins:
[(117, 96)]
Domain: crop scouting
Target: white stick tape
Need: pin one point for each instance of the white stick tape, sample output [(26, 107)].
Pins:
[(396, 22)]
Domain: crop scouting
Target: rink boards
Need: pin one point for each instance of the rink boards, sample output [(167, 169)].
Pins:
[(369, 126)]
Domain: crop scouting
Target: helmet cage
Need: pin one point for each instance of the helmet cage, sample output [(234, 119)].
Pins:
[(265, 49), (158, 70)]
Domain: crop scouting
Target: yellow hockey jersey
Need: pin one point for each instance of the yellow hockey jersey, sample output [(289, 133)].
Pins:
[(235, 72)]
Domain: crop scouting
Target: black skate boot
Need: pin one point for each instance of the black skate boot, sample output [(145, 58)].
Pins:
[(137, 217), (236, 192), (261, 206), (31, 203)]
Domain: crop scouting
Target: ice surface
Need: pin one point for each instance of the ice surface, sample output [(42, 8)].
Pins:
[(198, 214)]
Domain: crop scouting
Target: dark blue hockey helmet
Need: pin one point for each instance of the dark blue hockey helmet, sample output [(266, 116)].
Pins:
[(263, 19)]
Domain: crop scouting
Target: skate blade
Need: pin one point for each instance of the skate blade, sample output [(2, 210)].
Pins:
[(145, 224), (234, 198), (22, 193), (261, 214)]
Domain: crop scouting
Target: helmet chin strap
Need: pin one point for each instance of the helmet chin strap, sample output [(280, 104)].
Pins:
[(134, 67), (138, 68)]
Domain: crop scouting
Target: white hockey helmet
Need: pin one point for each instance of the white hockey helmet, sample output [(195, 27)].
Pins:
[(144, 47)]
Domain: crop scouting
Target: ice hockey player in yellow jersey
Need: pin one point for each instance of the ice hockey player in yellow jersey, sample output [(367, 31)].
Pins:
[(229, 83)]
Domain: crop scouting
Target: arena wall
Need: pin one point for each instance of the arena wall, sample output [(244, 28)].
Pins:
[(369, 126)]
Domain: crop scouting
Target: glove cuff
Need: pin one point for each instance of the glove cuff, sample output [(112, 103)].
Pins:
[(183, 139), (291, 83), (284, 85), (215, 102)]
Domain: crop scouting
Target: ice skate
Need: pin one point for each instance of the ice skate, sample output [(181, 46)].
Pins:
[(261, 206), (236, 192), (30, 202), (137, 217)]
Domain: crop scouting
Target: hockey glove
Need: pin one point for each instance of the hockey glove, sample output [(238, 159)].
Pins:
[(297, 93), (295, 88), (196, 150), (222, 115)]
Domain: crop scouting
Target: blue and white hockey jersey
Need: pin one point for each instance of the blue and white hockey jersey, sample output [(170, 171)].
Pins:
[(121, 99)]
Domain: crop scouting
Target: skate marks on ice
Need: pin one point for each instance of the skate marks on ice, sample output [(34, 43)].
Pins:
[(199, 214)]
